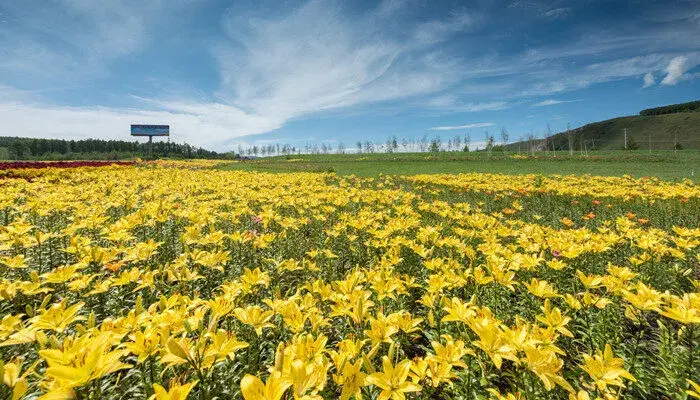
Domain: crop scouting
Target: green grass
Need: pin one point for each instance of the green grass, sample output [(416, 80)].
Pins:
[(664, 165)]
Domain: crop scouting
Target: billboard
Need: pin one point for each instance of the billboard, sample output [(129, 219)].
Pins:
[(150, 130)]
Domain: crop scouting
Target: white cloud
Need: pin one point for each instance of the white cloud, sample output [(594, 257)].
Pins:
[(649, 80), (551, 102), (675, 70), (459, 127)]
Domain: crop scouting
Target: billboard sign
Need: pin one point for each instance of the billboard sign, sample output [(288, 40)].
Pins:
[(150, 130)]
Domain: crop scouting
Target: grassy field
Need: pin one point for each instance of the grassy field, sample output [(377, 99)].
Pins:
[(665, 165)]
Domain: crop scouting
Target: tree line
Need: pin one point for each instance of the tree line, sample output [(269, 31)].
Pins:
[(672, 109), (16, 148)]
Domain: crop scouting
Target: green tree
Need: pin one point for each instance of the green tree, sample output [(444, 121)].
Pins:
[(632, 144)]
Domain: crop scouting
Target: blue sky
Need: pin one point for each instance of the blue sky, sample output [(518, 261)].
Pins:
[(224, 73)]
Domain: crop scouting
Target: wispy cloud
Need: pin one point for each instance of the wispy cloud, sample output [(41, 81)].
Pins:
[(551, 102), (435, 31), (454, 104), (460, 127), (557, 13), (82, 36), (338, 62), (556, 80), (485, 106)]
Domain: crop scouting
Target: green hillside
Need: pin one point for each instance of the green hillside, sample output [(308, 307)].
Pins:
[(659, 132)]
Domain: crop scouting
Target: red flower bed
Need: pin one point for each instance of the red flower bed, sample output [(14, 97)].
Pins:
[(58, 164)]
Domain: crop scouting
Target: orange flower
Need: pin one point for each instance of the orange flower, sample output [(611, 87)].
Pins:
[(567, 222), (643, 221), (630, 215), (596, 202), (588, 216), (114, 267)]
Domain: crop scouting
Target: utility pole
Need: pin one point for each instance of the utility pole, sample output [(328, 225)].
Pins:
[(675, 143), (625, 138)]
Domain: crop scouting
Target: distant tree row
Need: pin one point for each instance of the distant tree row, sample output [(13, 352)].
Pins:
[(425, 144), (392, 144), (672, 109), (16, 148), (568, 141)]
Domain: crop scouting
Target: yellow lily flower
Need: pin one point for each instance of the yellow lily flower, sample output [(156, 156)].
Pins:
[(605, 369), (57, 317), (254, 316), (393, 380), (83, 360), (351, 379), (693, 390), (685, 309), (175, 392), (254, 389)]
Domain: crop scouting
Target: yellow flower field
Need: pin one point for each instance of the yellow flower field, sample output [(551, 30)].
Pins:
[(173, 280)]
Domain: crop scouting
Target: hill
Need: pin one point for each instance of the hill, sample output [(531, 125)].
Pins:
[(658, 132)]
